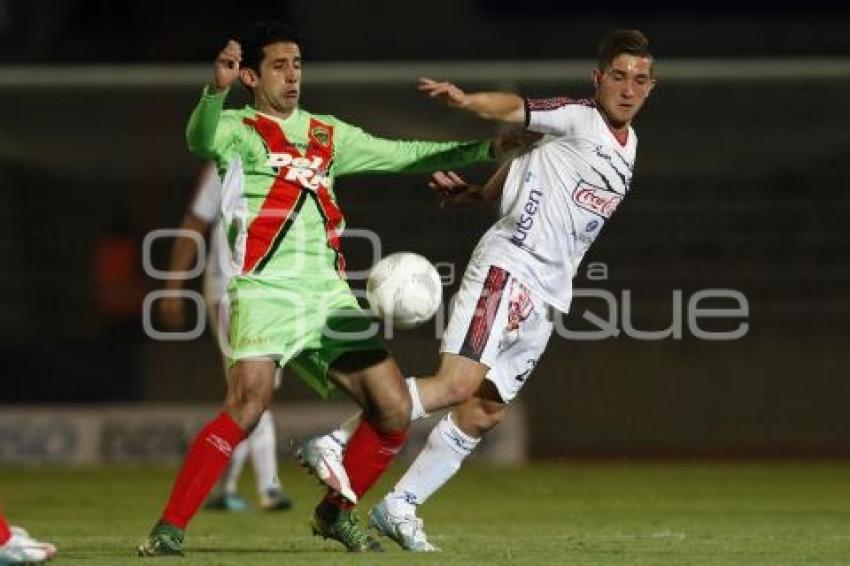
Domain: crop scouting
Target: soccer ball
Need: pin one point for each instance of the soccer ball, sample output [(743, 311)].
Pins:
[(404, 289)]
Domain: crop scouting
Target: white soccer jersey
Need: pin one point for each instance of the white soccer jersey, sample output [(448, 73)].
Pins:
[(207, 199), (558, 196), (206, 206)]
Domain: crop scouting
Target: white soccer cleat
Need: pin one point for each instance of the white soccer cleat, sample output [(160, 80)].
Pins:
[(21, 548), (322, 456), (403, 527)]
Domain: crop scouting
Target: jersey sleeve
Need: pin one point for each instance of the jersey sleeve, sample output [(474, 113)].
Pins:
[(212, 133), (359, 152), (551, 115), (205, 205)]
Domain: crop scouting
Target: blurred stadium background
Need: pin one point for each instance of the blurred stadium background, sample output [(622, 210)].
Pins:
[(741, 184)]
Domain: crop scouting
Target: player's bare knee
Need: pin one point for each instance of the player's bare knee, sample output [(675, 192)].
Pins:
[(395, 421), (477, 416), (249, 393), (392, 410), (383, 395), (461, 386), (457, 380), (245, 411), (490, 414), (482, 412), (246, 405)]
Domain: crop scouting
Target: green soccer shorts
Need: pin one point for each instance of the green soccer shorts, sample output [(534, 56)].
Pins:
[(304, 324)]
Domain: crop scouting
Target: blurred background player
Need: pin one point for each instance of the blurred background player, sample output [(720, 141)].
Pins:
[(555, 199), (289, 300), (18, 547), (202, 218)]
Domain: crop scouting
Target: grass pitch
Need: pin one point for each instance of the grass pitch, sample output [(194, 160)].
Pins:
[(569, 513)]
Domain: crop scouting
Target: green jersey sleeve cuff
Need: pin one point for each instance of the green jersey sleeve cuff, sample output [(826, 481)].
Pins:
[(208, 93)]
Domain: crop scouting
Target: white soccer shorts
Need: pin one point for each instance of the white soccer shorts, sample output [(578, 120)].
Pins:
[(496, 321)]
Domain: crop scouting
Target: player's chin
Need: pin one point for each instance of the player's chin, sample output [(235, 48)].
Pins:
[(624, 114), (287, 103)]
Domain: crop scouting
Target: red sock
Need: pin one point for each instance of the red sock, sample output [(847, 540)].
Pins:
[(207, 458), (5, 533), (368, 454)]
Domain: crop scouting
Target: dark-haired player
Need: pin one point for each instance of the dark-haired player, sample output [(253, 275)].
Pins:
[(290, 303)]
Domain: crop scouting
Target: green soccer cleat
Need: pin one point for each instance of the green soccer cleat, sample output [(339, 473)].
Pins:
[(341, 526), (163, 540)]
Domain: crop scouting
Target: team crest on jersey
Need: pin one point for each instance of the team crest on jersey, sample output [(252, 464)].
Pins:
[(597, 200), (321, 135)]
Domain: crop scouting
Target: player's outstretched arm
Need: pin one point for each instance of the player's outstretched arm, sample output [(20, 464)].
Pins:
[(513, 141), (203, 135), (502, 106), (453, 190)]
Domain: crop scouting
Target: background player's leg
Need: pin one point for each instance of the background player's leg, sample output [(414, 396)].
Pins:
[(237, 463), (264, 458), (228, 498)]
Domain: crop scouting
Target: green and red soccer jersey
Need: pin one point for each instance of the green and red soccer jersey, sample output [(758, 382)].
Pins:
[(279, 208)]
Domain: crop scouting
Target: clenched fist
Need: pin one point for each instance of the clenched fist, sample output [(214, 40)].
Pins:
[(226, 66)]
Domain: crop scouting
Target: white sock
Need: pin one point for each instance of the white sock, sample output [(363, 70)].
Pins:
[(263, 442), (347, 428), (417, 411), (230, 480), (441, 458)]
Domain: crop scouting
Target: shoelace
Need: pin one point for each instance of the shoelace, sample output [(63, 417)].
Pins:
[(349, 531), (415, 529), (165, 541)]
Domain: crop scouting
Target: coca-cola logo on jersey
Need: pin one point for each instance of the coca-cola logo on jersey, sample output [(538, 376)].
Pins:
[(596, 200)]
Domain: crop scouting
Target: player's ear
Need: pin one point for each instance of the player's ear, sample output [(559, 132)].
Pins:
[(248, 77), (597, 77)]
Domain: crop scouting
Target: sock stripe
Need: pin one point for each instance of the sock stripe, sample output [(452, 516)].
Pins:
[(456, 438)]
